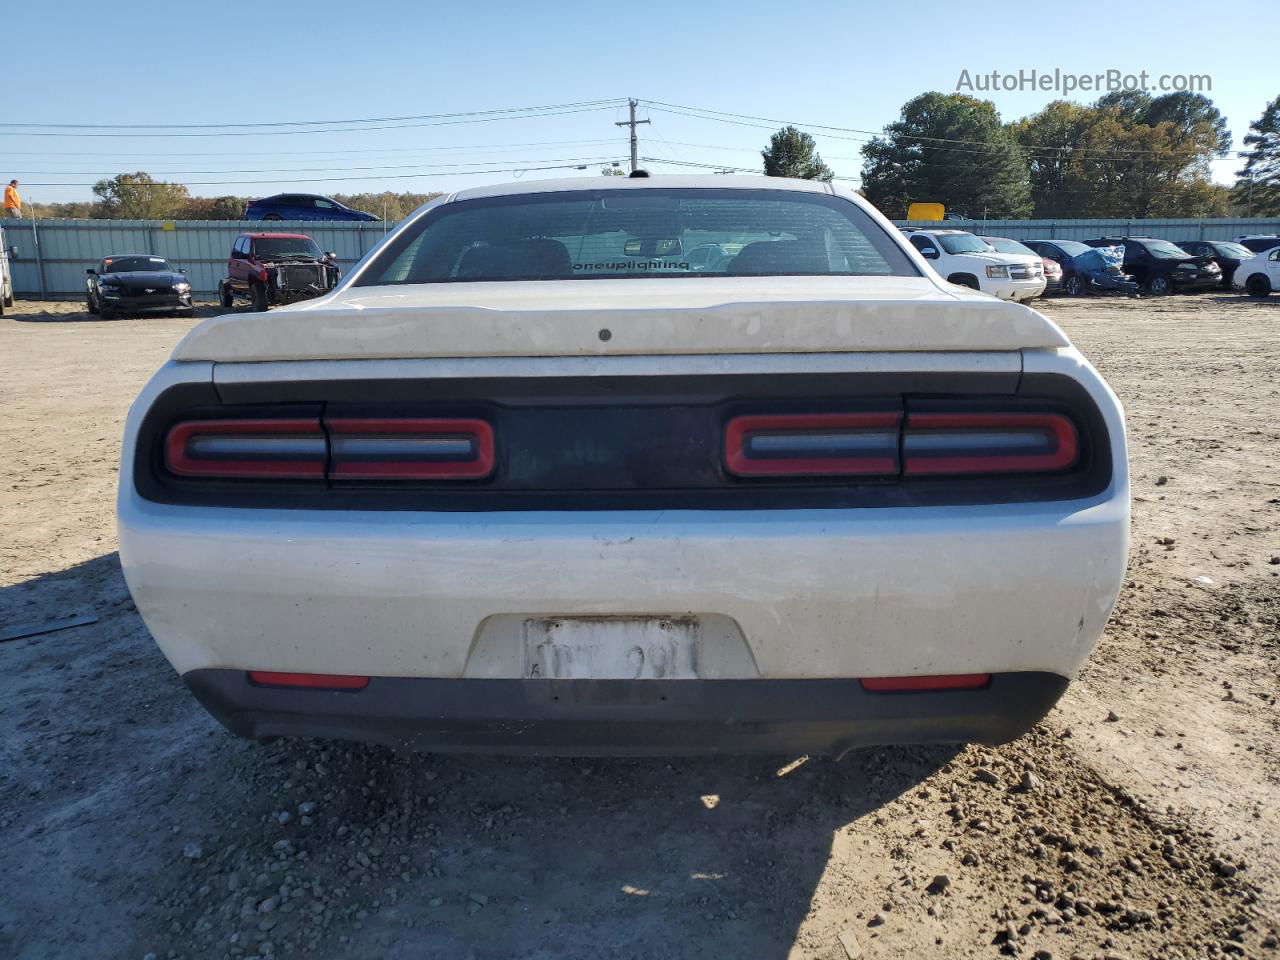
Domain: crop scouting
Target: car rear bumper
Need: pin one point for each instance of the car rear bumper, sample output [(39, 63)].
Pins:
[(654, 717)]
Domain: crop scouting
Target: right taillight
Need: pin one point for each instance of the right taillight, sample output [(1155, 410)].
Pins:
[(967, 443)]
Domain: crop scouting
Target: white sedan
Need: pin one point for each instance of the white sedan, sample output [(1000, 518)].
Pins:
[(526, 481), (1259, 275)]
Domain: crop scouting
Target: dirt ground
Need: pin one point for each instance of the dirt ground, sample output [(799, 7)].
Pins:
[(1140, 820)]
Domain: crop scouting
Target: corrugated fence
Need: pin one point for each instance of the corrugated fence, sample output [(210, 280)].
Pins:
[(49, 257)]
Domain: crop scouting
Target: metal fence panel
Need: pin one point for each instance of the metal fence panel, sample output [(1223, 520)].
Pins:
[(1065, 229), (52, 255)]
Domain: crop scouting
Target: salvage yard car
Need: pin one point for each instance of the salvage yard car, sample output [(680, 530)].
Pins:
[(1161, 267), (302, 206), (969, 261), (527, 482), (276, 268), (1259, 275), (136, 283)]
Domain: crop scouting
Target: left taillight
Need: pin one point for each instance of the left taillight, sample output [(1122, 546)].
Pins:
[(279, 449), (354, 448)]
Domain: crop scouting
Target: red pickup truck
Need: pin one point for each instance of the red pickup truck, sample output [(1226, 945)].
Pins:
[(274, 268)]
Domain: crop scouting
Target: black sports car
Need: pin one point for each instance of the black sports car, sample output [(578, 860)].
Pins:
[(130, 283)]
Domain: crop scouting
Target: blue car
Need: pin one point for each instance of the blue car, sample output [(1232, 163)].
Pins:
[(302, 206)]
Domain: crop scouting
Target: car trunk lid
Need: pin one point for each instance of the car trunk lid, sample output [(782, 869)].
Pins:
[(687, 315)]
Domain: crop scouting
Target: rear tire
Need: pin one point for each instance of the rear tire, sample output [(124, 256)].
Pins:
[(225, 298), (260, 303), (1159, 286), (1258, 286)]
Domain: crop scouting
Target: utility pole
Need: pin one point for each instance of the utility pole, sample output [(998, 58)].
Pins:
[(632, 123)]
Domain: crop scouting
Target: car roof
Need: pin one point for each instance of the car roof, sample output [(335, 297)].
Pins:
[(933, 230), (672, 182), (113, 256), (291, 236)]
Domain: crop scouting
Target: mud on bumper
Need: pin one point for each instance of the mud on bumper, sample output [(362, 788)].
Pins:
[(626, 717)]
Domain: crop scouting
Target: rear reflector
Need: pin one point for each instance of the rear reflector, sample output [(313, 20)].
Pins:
[(285, 449), (941, 443), (813, 444), (315, 681), (430, 449), (955, 681)]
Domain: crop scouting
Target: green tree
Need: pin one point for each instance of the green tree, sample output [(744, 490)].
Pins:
[(392, 207), (1257, 189), (214, 208), (139, 196), (1185, 111), (950, 149), (1049, 140), (793, 153)]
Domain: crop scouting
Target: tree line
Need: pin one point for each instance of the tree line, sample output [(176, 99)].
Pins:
[(139, 196), (1126, 155)]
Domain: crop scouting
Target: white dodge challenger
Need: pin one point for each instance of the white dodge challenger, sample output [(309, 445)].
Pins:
[(667, 465)]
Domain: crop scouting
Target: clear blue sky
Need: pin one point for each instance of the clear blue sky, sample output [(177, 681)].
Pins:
[(849, 65)]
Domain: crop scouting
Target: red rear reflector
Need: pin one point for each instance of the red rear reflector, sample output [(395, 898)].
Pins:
[(955, 681), (935, 443), (316, 681), (812, 444), (281, 449), (404, 449)]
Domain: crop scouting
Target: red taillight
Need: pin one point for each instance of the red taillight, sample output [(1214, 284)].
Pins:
[(284, 449), (812, 444), (954, 681), (941, 443), (313, 681), (424, 449), (340, 449)]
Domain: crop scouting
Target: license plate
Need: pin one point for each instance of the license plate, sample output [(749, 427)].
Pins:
[(611, 648)]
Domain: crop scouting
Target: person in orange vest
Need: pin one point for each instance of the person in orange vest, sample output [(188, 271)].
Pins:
[(12, 202)]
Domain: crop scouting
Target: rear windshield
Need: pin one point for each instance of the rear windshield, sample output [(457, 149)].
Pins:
[(610, 234), (268, 247)]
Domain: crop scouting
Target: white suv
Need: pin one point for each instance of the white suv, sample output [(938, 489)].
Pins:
[(968, 260)]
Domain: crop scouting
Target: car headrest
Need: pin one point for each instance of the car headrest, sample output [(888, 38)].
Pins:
[(537, 258), (779, 256)]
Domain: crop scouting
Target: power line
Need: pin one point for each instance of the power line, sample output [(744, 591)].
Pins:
[(403, 166), (286, 133), (703, 113), (613, 101), (516, 171), (496, 148)]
